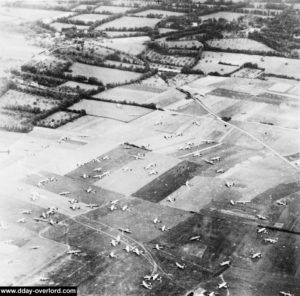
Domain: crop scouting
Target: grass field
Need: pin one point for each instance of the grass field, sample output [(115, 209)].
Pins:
[(83, 7), (89, 18), (134, 45), (74, 84), (229, 16), (160, 13), (239, 44), (60, 26), (127, 22), (111, 9), (125, 113), (106, 75)]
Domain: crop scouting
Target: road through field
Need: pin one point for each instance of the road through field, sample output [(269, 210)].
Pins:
[(197, 99)]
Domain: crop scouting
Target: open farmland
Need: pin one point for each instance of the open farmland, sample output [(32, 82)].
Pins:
[(83, 7), (239, 44), (112, 9), (182, 44), (134, 47), (157, 12), (106, 75), (124, 113), (179, 61), (74, 84), (127, 22), (89, 18), (229, 16), (15, 99), (210, 62), (61, 26)]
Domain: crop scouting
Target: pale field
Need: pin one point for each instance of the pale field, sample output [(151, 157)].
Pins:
[(132, 45), (168, 97), (165, 30), (129, 95), (16, 98), (87, 18), (229, 16), (131, 181), (124, 113), (106, 75), (239, 44), (74, 84), (114, 34), (59, 26), (163, 13), (128, 22), (112, 9), (181, 79), (155, 82), (83, 7), (272, 65)]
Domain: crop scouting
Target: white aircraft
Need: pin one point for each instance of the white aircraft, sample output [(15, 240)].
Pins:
[(85, 176), (223, 286), (112, 255), (262, 230), (271, 240), (281, 202), (52, 179), (26, 212), (243, 202), (224, 263), (126, 230), (156, 220), (220, 171), (114, 242), (193, 238), (286, 293), (35, 196), (118, 238), (65, 193), (125, 208), (73, 201), (97, 169), (164, 228), (22, 220), (208, 161), (146, 285), (232, 202), (229, 184), (102, 175), (148, 277), (150, 166), (216, 158), (90, 190), (74, 252), (52, 222), (171, 199), (92, 206), (261, 217), (152, 172), (158, 247), (75, 207), (137, 251), (128, 249), (113, 202), (52, 210), (180, 266), (119, 106), (139, 156), (113, 207), (256, 256), (187, 184), (106, 157), (196, 154)]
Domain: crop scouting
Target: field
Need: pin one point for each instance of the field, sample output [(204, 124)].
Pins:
[(134, 46), (16, 99), (247, 73), (106, 75), (124, 113), (112, 9), (183, 44), (239, 44), (160, 13), (118, 34), (58, 119), (179, 61), (272, 65), (83, 7), (74, 84), (229, 16), (89, 18), (126, 94), (60, 26), (127, 22)]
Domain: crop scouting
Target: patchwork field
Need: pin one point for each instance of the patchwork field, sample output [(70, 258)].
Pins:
[(127, 22), (184, 44), (134, 47), (60, 26), (89, 18), (106, 75), (239, 44), (112, 9), (157, 12), (124, 113)]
